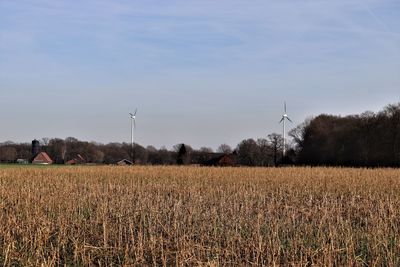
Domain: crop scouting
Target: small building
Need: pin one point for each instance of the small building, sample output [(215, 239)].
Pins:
[(22, 161), (224, 160), (76, 160), (42, 158), (124, 162), (71, 162)]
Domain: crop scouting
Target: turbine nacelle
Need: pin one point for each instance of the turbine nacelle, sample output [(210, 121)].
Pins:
[(285, 116), (133, 116)]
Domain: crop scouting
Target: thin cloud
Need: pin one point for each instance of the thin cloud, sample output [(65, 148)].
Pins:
[(377, 19), (221, 54)]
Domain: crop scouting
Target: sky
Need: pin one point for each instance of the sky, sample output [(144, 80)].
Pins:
[(200, 72)]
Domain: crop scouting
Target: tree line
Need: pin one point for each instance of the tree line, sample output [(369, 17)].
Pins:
[(369, 139), (262, 152)]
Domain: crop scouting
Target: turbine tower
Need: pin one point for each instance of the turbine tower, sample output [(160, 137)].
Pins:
[(133, 128), (283, 120)]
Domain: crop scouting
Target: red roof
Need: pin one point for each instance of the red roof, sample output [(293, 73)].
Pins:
[(42, 158), (71, 162)]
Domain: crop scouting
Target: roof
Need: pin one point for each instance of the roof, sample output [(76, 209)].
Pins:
[(71, 162), (80, 158), (222, 160), (77, 160), (42, 158), (124, 162)]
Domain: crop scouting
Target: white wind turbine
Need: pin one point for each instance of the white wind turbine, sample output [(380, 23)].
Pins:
[(133, 128), (284, 118)]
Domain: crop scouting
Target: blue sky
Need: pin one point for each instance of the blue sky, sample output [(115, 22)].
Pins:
[(200, 72)]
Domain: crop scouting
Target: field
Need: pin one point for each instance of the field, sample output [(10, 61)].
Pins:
[(192, 216)]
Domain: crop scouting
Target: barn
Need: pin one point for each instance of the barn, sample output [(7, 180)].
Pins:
[(224, 160), (76, 160), (42, 158)]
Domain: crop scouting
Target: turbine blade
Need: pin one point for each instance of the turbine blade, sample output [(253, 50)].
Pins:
[(285, 106), (289, 119), (281, 119), (134, 114)]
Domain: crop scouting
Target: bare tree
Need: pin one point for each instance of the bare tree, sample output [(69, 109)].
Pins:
[(276, 142), (57, 149), (8, 154), (177, 147), (45, 141), (266, 152), (206, 150), (248, 153), (224, 148), (151, 149), (298, 133)]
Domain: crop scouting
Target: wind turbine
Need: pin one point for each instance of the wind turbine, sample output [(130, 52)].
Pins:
[(133, 128), (283, 120)]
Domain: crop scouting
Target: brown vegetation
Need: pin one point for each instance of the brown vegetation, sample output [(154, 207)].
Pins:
[(199, 216)]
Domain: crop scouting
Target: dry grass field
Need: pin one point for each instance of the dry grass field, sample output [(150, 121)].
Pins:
[(192, 216)]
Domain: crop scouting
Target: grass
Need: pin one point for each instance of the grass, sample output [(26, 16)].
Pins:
[(15, 165), (192, 216)]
